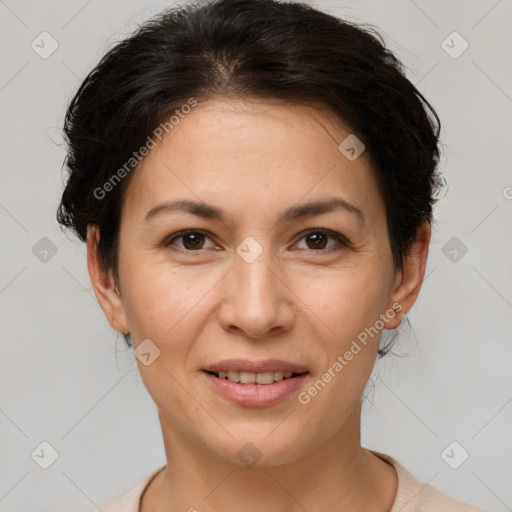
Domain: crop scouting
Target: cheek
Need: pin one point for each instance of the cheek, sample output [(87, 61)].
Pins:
[(349, 304), (345, 306), (157, 300), (166, 309), (346, 300)]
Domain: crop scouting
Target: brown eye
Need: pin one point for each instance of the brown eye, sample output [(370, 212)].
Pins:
[(318, 239), (192, 240)]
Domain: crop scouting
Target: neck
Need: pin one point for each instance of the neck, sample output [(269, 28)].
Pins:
[(338, 474)]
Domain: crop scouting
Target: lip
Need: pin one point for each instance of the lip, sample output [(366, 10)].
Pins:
[(243, 365), (255, 395)]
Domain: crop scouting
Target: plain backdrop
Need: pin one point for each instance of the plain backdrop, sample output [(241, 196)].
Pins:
[(66, 378)]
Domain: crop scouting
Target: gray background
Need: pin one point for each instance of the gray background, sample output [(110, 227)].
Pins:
[(67, 379)]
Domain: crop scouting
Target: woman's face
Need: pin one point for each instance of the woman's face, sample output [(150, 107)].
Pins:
[(253, 285)]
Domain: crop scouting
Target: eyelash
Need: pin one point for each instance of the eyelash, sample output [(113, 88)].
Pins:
[(343, 241)]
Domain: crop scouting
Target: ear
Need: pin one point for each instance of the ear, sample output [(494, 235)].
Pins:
[(103, 283), (409, 280)]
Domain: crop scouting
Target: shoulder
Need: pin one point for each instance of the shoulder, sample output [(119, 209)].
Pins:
[(414, 496), (130, 501)]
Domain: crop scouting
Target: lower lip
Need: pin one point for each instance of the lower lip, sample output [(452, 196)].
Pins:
[(254, 395)]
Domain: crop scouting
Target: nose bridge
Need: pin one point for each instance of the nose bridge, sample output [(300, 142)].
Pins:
[(254, 302), (255, 288)]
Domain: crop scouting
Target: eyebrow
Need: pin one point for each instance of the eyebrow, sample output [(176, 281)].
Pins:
[(296, 212)]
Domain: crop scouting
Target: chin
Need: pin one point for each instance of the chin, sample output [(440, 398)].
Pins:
[(260, 447)]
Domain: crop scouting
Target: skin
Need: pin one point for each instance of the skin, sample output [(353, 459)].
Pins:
[(296, 302)]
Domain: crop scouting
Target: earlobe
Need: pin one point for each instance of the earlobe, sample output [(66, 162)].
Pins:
[(411, 277), (103, 283)]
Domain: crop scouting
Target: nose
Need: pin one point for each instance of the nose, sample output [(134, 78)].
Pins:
[(256, 300)]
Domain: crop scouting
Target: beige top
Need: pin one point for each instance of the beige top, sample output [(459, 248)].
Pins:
[(412, 496)]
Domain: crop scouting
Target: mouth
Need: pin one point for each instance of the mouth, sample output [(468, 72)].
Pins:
[(250, 383), (263, 378)]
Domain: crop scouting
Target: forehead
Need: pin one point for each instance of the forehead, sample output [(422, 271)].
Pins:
[(252, 153)]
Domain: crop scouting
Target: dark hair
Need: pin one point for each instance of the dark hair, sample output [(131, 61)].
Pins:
[(261, 49)]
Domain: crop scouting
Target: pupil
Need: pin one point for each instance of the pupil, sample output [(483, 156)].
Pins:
[(317, 242), (194, 237)]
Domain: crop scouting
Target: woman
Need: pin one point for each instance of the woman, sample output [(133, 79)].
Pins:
[(255, 182)]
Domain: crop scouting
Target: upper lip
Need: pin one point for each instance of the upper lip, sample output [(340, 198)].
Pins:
[(268, 365)]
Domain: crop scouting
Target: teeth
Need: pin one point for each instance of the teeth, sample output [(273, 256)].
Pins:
[(247, 377), (234, 376), (265, 377), (253, 378), (280, 375)]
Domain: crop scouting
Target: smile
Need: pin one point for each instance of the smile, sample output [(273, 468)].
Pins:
[(255, 389), (263, 378)]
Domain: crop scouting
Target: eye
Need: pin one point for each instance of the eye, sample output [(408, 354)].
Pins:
[(316, 239), (192, 239)]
